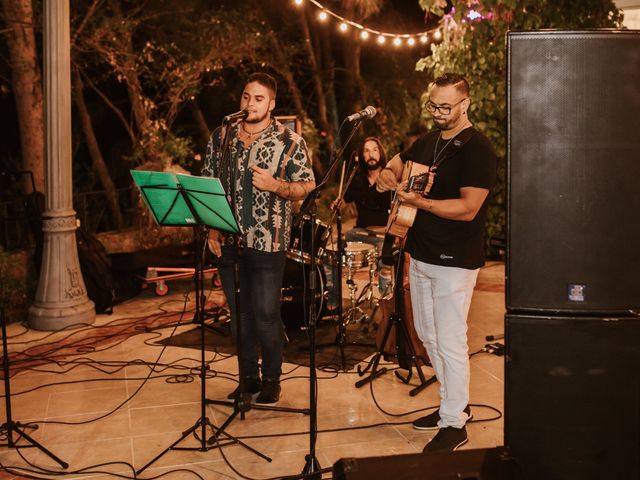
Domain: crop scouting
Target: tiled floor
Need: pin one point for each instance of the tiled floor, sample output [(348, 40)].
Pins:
[(104, 415)]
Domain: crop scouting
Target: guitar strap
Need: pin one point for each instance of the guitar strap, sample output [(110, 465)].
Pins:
[(387, 254), (449, 151)]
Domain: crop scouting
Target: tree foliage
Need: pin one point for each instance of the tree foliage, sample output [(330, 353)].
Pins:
[(156, 76), (477, 48), (162, 54)]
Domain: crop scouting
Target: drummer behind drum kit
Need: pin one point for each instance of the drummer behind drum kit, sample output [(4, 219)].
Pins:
[(295, 297)]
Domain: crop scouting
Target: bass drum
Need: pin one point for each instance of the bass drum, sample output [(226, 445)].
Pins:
[(295, 295)]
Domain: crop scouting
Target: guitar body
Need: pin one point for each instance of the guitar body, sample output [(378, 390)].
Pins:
[(402, 216)]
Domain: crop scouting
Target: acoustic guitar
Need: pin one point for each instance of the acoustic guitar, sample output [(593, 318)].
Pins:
[(402, 216)]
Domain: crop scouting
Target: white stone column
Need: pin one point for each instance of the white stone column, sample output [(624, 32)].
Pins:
[(61, 299)]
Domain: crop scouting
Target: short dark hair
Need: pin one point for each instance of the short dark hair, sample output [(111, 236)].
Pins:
[(453, 79), (383, 154), (265, 80)]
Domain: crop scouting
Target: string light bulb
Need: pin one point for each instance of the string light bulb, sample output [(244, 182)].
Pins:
[(344, 25)]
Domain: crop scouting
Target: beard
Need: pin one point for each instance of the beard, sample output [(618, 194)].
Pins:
[(442, 124), (445, 123), (256, 118), (373, 165)]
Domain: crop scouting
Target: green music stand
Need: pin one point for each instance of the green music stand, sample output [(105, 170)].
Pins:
[(181, 200)]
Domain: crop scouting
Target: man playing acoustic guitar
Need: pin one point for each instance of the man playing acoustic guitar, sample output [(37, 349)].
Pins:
[(446, 245)]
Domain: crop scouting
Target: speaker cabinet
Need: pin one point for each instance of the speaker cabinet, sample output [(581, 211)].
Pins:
[(573, 167), (572, 403), (478, 464)]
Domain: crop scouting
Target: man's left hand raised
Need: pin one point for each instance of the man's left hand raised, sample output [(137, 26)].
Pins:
[(263, 180)]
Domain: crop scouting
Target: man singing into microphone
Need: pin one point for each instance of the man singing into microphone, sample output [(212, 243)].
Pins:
[(446, 245), (267, 168)]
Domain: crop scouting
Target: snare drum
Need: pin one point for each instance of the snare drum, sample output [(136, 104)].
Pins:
[(356, 255), (300, 249)]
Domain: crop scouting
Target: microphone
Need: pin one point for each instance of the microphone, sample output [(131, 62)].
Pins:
[(241, 115), (368, 112)]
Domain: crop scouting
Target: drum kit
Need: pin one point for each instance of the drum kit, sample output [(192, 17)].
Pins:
[(356, 257)]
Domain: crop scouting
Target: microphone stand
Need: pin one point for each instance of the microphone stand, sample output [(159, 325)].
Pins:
[(10, 427), (341, 337), (312, 469)]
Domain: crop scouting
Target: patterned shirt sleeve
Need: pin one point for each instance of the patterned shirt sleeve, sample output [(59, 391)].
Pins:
[(299, 169), (211, 159)]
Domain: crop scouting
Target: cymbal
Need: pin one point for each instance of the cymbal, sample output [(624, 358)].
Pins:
[(377, 231)]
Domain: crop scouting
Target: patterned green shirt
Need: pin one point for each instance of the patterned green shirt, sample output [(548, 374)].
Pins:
[(264, 217)]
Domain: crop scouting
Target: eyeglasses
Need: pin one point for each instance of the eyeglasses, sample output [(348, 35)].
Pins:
[(443, 109)]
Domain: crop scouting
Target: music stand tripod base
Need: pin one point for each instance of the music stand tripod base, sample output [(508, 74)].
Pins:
[(10, 427), (196, 202)]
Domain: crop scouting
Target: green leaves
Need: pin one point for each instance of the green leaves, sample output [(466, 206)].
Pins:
[(477, 49)]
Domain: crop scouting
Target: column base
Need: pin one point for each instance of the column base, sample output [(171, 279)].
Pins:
[(56, 318)]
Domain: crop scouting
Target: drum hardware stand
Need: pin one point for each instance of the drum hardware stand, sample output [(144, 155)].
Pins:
[(396, 319), (365, 295), (197, 198), (344, 318), (10, 427), (312, 469)]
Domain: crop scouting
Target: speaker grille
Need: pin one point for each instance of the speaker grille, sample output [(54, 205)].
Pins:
[(573, 171), (572, 403)]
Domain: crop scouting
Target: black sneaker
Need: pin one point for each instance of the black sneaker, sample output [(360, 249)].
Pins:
[(447, 439), (249, 385), (430, 422), (270, 393)]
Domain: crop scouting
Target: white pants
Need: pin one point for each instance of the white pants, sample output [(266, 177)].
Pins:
[(440, 298)]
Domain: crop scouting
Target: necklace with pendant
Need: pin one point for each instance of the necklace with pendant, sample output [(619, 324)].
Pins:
[(437, 154), (253, 134)]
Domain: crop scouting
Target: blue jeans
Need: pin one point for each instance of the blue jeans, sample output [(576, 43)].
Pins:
[(260, 275)]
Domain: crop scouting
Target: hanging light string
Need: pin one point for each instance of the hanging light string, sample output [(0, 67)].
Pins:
[(365, 33)]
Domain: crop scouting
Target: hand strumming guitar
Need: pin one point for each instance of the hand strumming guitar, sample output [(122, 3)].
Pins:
[(388, 177)]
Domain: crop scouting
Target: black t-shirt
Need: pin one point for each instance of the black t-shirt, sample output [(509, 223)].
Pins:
[(452, 243), (372, 206)]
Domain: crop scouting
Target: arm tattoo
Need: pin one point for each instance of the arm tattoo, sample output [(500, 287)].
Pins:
[(292, 190), (284, 189)]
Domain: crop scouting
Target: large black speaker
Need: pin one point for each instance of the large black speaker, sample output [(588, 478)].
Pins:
[(477, 464), (572, 403), (573, 171)]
